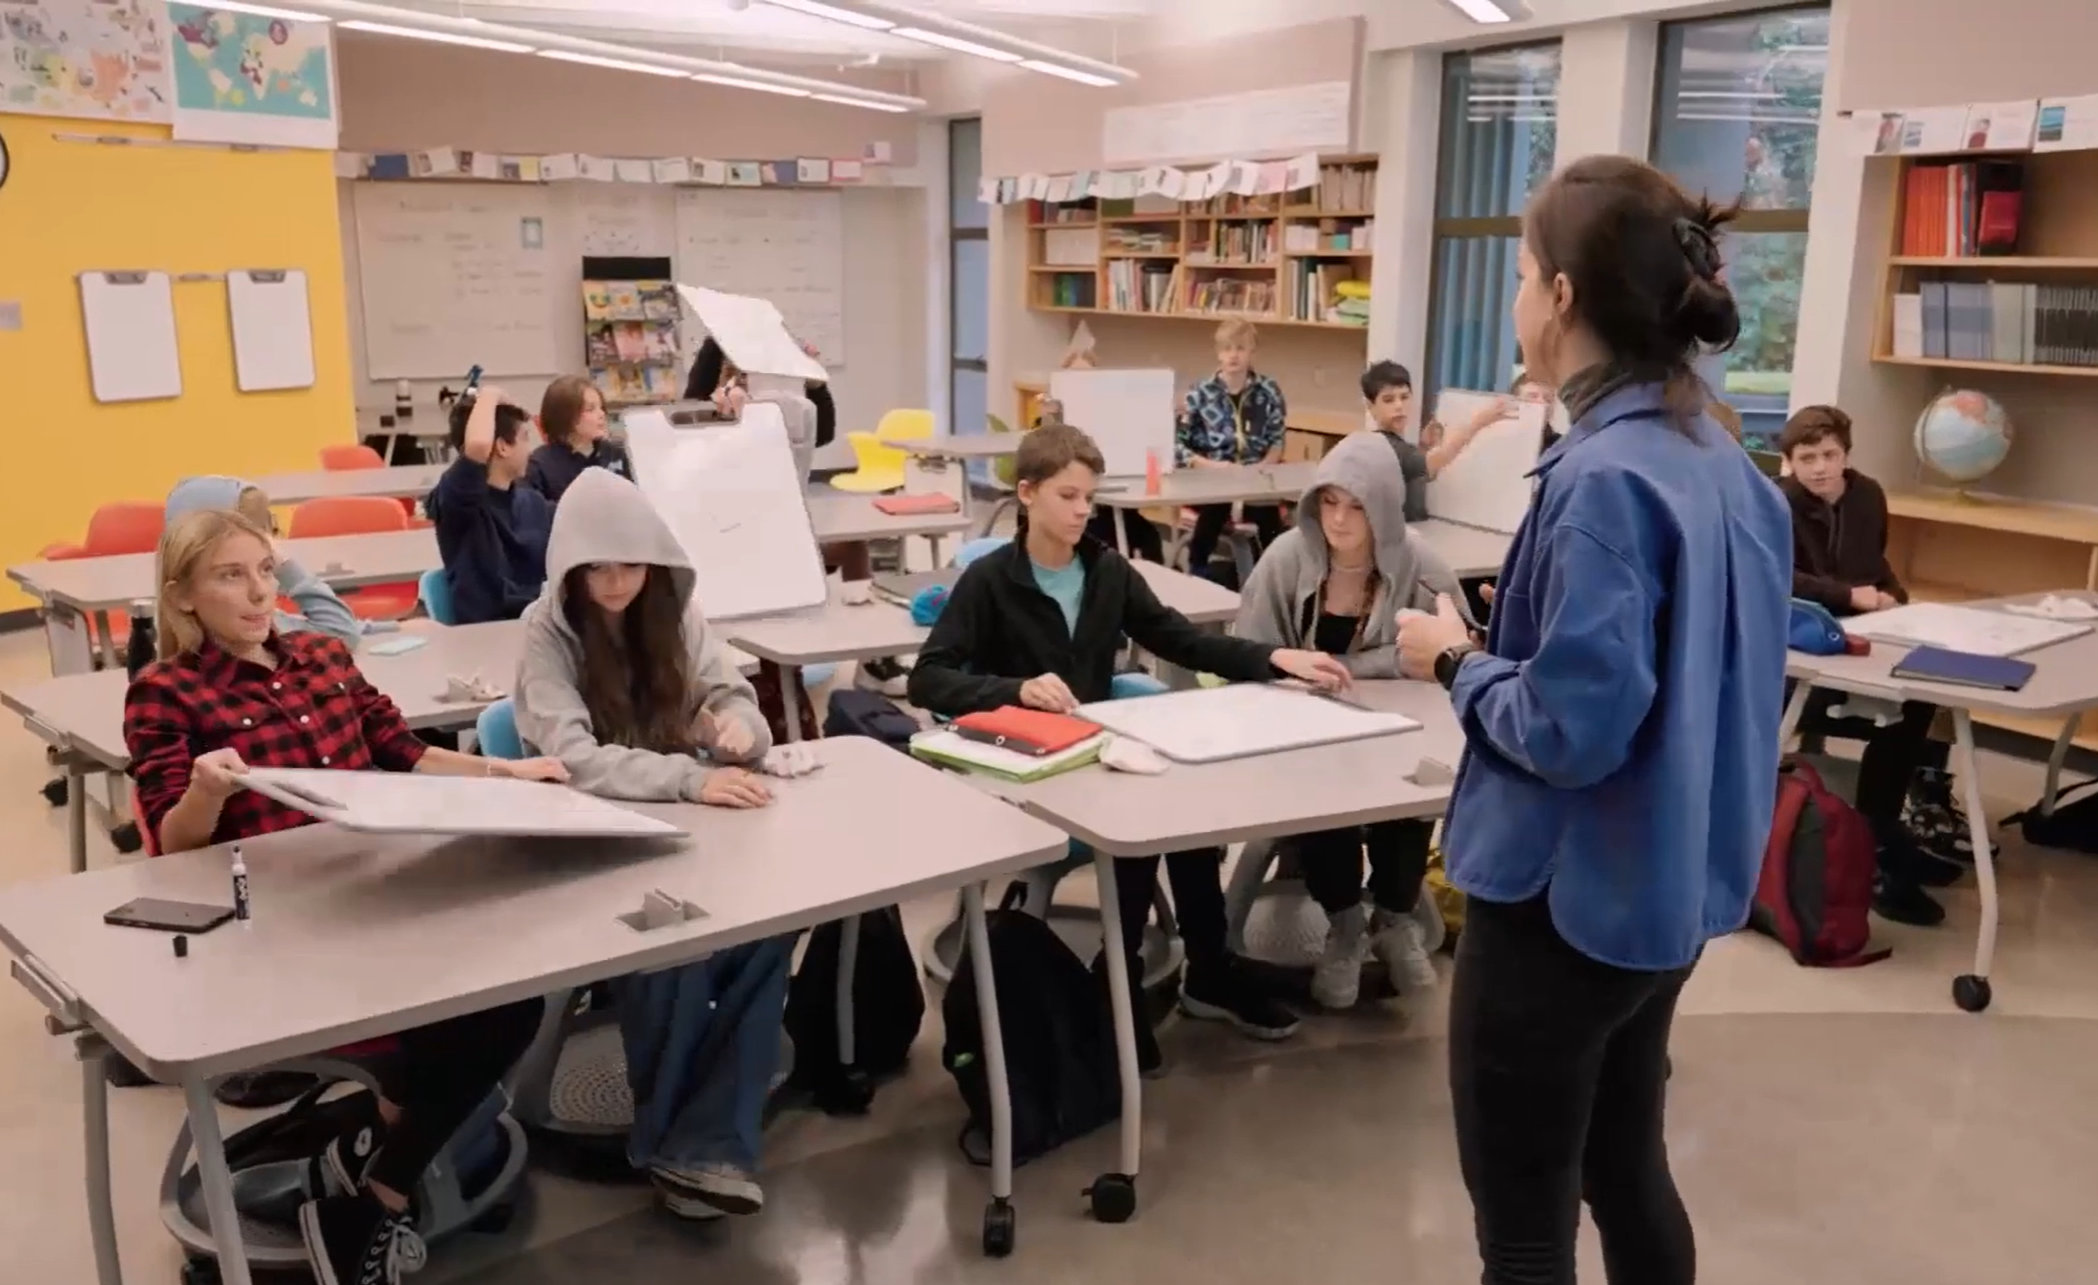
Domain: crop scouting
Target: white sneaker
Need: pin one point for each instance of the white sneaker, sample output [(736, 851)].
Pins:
[(1398, 942), (1337, 982), (724, 1187)]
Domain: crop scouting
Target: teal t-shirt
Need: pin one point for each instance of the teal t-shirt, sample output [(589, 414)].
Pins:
[(1065, 585)]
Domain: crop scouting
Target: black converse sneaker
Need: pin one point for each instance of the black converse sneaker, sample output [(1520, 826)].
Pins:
[(1226, 991), (354, 1240), (339, 1168)]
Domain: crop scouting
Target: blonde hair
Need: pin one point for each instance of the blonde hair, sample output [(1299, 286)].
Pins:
[(254, 505), (184, 546), (1237, 331)]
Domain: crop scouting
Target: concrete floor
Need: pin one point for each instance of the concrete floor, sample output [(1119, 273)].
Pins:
[(1828, 1126)]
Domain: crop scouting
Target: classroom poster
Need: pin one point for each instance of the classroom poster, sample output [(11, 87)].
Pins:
[(245, 78), (102, 59)]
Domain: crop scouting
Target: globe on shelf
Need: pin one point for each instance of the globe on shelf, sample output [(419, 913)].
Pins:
[(1963, 435)]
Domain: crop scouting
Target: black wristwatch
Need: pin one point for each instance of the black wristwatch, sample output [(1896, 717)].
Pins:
[(1447, 664)]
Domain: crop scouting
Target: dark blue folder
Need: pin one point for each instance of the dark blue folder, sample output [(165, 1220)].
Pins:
[(1965, 669)]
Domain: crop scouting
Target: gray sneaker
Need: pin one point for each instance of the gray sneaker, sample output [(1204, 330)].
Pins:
[(1337, 982), (1400, 944)]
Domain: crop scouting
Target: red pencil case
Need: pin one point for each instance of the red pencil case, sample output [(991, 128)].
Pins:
[(1025, 731)]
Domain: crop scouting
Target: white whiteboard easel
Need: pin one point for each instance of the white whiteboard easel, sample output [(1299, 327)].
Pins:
[(1128, 413), (1487, 485), (272, 330), (132, 354)]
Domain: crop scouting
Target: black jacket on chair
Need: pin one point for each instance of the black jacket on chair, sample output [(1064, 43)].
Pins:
[(999, 629)]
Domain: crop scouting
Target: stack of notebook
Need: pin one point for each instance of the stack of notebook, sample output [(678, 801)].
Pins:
[(1965, 669)]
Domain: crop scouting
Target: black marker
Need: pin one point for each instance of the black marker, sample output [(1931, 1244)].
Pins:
[(240, 886)]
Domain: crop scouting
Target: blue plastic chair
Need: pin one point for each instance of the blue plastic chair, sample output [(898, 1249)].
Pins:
[(1134, 683), (496, 731), (814, 676), (436, 594), (976, 548)]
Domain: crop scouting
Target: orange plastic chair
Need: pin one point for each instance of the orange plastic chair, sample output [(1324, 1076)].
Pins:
[(341, 459), (359, 515), (129, 526)]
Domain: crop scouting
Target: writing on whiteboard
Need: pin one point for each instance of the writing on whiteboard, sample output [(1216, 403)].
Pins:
[(782, 246), (450, 280)]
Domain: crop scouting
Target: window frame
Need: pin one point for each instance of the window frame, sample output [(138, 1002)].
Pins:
[(956, 237)]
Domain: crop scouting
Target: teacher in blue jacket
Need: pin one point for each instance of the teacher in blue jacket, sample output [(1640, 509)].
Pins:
[(1621, 728)]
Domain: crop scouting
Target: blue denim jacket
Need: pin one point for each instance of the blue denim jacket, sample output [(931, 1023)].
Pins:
[(1209, 427), (1621, 731)]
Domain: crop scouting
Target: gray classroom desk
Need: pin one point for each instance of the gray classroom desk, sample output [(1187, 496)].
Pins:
[(538, 917), (82, 715), (838, 632), (2064, 685), (983, 446), (1258, 797), (1472, 552), (406, 481), (841, 518)]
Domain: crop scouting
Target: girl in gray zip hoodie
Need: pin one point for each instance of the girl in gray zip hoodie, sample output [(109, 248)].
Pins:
[(1335, 583), (623, 682)]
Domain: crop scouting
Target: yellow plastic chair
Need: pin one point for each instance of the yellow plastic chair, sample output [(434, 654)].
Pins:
[(879, 466)]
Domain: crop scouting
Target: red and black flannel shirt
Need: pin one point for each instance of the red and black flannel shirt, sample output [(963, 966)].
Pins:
[(313, 710)]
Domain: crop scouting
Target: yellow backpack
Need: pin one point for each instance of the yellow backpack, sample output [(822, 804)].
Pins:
[(1448, 900)]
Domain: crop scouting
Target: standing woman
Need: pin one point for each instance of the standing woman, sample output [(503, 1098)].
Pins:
[(1621, 734)]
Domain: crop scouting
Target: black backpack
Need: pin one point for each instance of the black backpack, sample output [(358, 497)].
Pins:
[(888, 1006), (1059, 1039), (2072, 826), (857, 713)]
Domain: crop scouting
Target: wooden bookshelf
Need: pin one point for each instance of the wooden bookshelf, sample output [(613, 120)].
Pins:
[(1273, 260)]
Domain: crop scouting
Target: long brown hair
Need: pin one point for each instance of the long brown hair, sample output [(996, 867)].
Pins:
[(636, 672), (1643, 259), (561, 406), (184, 546)]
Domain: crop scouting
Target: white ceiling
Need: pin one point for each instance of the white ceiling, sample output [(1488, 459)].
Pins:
[(746, 28)]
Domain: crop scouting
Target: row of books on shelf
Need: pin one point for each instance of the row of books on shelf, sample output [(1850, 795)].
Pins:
[(1327, 292), (1226, 294), (2016, 323), (630, 342), (630, 301), (1963, 209), (1074, 289), (1346, 187), (629, 384), (1138, 238), (1138, 285), (1241, 244), (1329, 236)]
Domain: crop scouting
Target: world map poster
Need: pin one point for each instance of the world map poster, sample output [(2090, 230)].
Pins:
[(246, 78), (88, 58)]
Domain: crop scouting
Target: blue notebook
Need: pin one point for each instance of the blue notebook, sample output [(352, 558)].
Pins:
[(1965, 669)]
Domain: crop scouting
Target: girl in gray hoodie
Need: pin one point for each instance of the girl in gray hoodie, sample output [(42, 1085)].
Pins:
[(1335, 583), (623, 682)]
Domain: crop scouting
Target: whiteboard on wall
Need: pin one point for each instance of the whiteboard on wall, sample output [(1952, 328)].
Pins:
[(618, 220), (1302, 118), (459, 275), (783, 246)]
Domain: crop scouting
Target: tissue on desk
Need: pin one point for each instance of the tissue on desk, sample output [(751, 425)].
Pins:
[(1120, 754), (796, 758), (2056, 607)]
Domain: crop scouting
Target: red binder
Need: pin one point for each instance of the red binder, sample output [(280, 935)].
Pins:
[(1026, 731), (898, 506)]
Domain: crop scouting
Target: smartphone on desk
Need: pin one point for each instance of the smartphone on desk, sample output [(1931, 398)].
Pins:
[(168, 916)]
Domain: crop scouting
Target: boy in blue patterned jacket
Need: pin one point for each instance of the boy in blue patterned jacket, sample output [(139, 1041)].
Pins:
[(1233, 417)]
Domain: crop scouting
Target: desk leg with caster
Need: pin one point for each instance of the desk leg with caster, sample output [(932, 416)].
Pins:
[(2057, 759), (101, 1211), (998, 1217), (1113, 1195), (853, 1093), (76, 812), (218, 1181), (1971, 990)]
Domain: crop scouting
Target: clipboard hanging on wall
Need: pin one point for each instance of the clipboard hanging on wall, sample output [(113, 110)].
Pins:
[(272, 329), (129, 318)]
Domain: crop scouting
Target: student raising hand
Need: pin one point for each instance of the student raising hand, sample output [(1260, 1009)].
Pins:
[(1315, 667), (1048, 692)]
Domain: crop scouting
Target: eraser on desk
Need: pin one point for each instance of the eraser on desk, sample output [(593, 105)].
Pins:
[(1432, 772)]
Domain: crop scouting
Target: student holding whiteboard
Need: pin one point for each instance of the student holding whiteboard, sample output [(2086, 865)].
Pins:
[(1387, 390), (624, 684), (1236, 416), (228, 691)]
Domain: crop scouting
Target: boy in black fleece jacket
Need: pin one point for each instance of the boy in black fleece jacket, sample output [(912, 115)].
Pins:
[(1038, 623)]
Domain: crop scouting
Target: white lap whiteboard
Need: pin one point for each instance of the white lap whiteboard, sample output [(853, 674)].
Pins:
[(1487, 485), (132, 355), (272, 330), (456, 275), (1129, 413), (1208, 724), (1980, 630), (409, 803), (733, 497), (782, 245)]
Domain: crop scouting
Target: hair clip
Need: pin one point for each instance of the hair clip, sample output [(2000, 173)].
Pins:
[(1699, 246)]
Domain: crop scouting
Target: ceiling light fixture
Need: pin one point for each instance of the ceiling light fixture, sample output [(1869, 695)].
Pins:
[(269, 11), (960, 45), (1493, 12), (440, 37), (762, 86), (833, 13), (1068, 73), (615, 64), (843, 101)]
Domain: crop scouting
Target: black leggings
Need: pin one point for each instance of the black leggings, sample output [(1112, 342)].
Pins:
[(1198, 903), (1331, 863), (1557, 1070), (1209, 528), (439, 1078), (1892, 755)]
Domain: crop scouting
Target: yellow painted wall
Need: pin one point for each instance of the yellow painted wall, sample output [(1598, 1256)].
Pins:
[(71, 207)]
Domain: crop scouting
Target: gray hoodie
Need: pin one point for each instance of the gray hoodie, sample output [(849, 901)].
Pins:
[(1276, 606), (605, 518)]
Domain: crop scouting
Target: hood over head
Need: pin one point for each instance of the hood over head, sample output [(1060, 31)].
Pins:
[(603, 517), (1363, 465), (198, 494)]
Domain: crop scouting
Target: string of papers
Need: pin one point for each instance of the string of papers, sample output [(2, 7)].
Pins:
[(871, 166), (1177, 183)]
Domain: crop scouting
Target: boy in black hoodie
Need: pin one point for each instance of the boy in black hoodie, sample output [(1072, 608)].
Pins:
[(1039, 623), (1839, 559)]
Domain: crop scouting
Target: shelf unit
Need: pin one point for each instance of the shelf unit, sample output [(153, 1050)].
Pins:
[(630, 330), (1274, 260)]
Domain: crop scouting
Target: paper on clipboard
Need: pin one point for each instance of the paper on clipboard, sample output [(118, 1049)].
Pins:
[(752, 333)]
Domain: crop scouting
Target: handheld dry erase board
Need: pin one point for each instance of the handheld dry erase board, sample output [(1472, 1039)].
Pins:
[(168, 916), (404, 803)]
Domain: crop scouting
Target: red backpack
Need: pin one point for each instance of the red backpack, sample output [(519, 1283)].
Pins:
[(1815, 894)]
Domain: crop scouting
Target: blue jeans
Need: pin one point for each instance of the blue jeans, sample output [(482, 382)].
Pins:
[(702, 1042)]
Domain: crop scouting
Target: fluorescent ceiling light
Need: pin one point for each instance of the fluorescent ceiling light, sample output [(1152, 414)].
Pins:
[(1492, 11), (1068, 73), (843, 101), (956, 43), (268, 11), (614, 64), (762, 86), (441, 37), (831, 12)]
